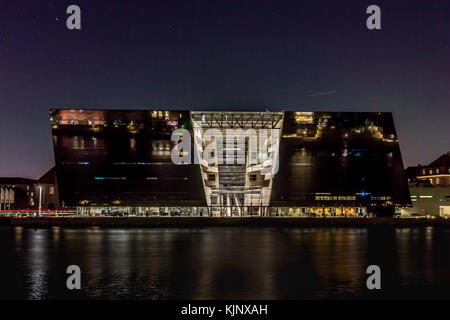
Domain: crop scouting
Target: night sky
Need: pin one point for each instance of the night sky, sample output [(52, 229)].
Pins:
[(291, 55)]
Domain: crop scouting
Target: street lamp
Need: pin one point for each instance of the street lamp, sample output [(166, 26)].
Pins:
[(40, 200)]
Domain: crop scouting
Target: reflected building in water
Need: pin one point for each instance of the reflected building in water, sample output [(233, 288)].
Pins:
[(118, 162)]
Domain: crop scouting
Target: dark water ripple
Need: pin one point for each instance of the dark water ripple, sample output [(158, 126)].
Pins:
[(224, 263)]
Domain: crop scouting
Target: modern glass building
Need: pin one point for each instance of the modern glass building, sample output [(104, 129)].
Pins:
[(123, 162)]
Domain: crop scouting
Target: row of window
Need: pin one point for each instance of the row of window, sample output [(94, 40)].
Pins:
[(161, 114), (327, 198), (147, 178), (212, 177), (436, 181), (433, 171)]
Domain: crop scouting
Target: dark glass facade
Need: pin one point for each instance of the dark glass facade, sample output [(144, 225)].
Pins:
[(334, 159), (122, 158), (326, 160)]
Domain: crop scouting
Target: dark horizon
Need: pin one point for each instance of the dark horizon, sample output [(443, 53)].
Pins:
[(290, 55)]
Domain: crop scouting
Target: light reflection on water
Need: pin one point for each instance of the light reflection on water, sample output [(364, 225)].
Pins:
[(224, 263)]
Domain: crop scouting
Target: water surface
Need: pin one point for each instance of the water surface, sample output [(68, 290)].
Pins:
[(224, 263)]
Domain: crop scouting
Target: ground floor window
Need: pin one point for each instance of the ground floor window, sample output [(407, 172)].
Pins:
[(223, 211)]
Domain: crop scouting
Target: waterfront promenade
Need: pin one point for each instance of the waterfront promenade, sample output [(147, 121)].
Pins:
[(193, 222)]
